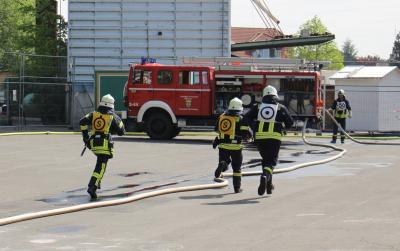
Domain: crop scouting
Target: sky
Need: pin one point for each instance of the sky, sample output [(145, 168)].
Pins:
[(370, 24)]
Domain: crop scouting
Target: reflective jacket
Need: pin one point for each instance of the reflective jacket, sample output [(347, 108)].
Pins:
[(268, 119), (103, 123), (231, 130), (341, 108)]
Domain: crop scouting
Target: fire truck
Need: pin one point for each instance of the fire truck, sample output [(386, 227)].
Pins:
[(163, 99)]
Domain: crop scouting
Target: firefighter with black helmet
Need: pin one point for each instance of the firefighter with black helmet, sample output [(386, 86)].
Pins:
[(103, 123), (268, 121), (231, 133), (341, 111)]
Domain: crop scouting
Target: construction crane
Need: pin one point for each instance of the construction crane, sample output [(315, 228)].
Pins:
[(266, 15), (272, 22)]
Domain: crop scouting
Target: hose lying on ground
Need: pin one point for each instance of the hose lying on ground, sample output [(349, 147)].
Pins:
[(302, 165), (358, 141), (219, 184), (64, 210)]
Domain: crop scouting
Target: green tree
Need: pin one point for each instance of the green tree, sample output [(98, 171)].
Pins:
[(395, 56), (16, 28), (349, 52), (322, 52)]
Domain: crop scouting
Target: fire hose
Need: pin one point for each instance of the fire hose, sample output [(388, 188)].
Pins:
[(355, 140), (220, 183)]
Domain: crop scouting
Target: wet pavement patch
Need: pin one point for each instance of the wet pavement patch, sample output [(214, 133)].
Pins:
[(66, 199)]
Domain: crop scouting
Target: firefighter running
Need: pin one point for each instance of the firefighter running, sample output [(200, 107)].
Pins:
[(103, 122), (341, 111), (268, 121), (231, 133)]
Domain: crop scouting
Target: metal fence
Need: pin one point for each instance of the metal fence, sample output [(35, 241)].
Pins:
[(34, 91)]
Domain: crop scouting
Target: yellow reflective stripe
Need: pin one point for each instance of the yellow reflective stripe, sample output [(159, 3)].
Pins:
[(103, 152), (87, 115), (271, 127), (244, 128), (237, 174), (84, 127), (230, 146), (103, 169), (96, 175), (268, 169), (267, 135), (121, 124), (261, 126)]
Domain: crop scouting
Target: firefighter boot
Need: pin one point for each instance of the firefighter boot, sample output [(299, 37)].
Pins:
[(270, 186), (333, 141), (92, 191), (263, 184), (237, 182), (342, 140), (222, 167)]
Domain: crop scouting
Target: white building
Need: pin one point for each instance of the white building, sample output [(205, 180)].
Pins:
[(109, 34), (374, 95)]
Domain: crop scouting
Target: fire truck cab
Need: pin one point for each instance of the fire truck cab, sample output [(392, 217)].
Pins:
[(165, 98)]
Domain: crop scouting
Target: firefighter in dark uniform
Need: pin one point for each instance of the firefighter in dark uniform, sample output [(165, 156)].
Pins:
[(103, 123), (268, 121), (341, 111), (231, 133)]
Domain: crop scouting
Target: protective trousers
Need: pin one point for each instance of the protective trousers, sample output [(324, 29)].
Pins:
[(234, 157), (269, 151), (342, 122), (98, 172)]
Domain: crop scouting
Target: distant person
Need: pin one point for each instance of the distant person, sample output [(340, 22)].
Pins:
[(300, 103), (103, 122), (231, 133), (268, 121), (341, 111)]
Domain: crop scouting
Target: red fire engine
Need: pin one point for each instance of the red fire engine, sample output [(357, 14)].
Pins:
[(165, 98)]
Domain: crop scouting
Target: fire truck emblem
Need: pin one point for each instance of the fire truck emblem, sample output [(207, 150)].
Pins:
[(188, 102)]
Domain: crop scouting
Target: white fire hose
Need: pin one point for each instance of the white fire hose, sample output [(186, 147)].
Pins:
[(355, 140), (218, 184)]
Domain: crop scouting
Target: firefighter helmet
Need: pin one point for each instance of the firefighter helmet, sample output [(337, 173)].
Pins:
[(236, 105), (341, 91), (107, 101), (270, 90)]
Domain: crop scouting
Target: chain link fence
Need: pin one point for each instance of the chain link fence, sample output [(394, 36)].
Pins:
[(34, 91)]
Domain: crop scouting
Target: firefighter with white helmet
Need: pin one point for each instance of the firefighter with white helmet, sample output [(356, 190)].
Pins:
[(267, 122), (103, 123), (231, 133), (341, 111)]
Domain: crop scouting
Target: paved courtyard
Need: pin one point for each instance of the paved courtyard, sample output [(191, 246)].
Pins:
[(349, 204)]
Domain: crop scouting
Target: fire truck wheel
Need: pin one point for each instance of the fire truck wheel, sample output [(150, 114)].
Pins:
[(177, 130), (159, 126)]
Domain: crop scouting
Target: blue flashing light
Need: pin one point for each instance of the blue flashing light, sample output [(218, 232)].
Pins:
[(145, 60)]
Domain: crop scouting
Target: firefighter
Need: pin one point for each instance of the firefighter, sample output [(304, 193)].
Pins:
[(341, 110), (268, 121), (231, 133), (103, 123)]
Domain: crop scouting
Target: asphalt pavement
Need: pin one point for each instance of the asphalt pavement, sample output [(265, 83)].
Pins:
[(348, 204)]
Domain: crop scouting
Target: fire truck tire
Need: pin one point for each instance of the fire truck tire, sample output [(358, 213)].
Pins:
[(176, 132), (159, 126)]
